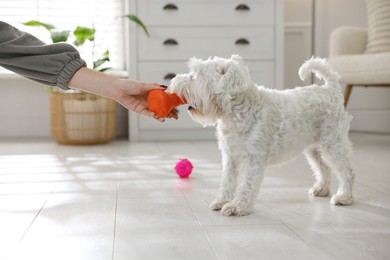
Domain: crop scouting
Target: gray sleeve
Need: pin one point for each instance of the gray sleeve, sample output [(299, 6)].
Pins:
[(26, 55)]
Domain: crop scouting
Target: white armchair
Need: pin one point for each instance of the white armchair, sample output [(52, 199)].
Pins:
[(362, 55)]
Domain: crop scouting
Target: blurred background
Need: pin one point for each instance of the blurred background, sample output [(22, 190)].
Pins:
[(298, 30)]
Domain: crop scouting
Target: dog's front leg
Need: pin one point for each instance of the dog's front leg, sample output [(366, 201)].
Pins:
[(228, 182), (251, 170)]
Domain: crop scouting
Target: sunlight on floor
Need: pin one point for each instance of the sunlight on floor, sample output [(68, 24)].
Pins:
[(124, 201)]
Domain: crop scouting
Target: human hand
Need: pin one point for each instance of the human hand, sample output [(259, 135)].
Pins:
[(133, 96)]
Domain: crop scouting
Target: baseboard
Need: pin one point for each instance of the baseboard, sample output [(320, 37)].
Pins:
[(370, 120), (177, 134)]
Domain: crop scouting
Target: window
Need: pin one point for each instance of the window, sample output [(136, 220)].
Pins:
[(67, 15)]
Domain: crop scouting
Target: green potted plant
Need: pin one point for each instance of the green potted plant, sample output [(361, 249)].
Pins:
[(79, 117)]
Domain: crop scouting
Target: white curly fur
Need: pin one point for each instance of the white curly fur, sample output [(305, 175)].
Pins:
[(257, 127)]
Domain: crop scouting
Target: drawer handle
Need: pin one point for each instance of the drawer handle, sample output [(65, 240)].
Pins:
[(242, 7), (242, 41), (170, 42), (169, 76), (170, 7)]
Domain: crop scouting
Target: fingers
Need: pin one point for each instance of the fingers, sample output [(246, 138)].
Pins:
[(173, 114), (161, 119), (146, 87), (150, 86)]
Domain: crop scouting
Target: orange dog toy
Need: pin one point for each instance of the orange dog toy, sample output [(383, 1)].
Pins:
[(161, 102)]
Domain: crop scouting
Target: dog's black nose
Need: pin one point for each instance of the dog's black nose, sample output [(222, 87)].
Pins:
[(190, 108)]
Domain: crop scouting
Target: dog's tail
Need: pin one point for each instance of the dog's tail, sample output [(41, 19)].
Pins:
[(322, 70)]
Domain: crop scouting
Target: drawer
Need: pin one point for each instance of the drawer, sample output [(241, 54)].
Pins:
[(206, 12), (181, 44), (161, 72), (261, 73)]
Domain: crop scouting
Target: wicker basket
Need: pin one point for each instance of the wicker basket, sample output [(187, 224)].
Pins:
[(82, 118)]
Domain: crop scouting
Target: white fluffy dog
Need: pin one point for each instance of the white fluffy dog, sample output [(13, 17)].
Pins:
[(257, 127)]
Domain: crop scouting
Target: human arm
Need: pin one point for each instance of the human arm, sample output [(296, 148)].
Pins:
[(60, 65), (26, 55), (129, 93)]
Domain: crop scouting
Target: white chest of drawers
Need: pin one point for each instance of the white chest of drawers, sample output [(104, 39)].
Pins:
[(183, 29)]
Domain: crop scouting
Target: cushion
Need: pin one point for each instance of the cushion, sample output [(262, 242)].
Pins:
[(345, 40), (363, 69), (378, 26)]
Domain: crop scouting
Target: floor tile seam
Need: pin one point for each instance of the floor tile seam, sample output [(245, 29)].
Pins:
[(144, 197), (242, 224), (200, 226), (35, 217), (115, 220)]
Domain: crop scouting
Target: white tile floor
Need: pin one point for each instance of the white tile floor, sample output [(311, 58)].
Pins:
[(123, 201)]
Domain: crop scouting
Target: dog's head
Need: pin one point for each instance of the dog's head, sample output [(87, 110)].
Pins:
[(210, 86)]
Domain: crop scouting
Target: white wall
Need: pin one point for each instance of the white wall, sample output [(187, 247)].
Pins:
[(298, 39), (24, 108)]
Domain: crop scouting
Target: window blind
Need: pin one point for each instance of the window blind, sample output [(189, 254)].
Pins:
[(67, 15)]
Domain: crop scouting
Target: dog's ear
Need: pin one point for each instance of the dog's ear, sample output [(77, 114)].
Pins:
[(234, 76), (195, 64), (237, 58)]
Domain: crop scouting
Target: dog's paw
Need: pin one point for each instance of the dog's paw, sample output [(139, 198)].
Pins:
[(217, 204), (232, 209), (341, 199), (318, 191)]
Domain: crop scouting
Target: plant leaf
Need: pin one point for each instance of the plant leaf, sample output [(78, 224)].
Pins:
[(104, 69), (59, 36), (82, 34), (99, 62), (136, 20), (35, 23), (106, 53)]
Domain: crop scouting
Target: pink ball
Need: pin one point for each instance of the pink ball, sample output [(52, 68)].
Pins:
[(183, 168)]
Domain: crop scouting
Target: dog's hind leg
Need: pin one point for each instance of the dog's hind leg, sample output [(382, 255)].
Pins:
[(337, 156), (321, 173)]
